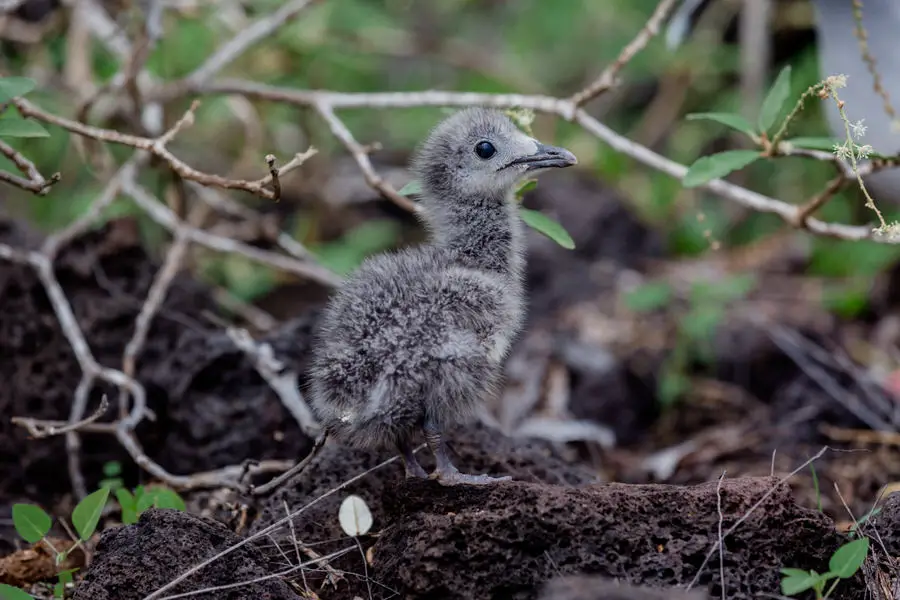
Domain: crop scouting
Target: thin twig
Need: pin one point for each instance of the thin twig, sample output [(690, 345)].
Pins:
[(156, 146), (721, 537), (248, 36), (609, 78), (165, 217), (274, 483), (35, 182), (285, 382), (38, 429), (340, 131), (819, 200), (283, 573), (155, 296)]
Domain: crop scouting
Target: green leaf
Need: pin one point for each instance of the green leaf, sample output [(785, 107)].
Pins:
[(87, 514), (648, 297), (129, 506), (527, 186), (8, 592), (411, 188), (31, 522), (547, 226), (166, 498), (146, 500), (711, 167), (160, 498), (814, 143), (854, 528), (773, 104), (21, 128), (847, 559), (13, 87), (794, 572), (797, 580), (736, 122)]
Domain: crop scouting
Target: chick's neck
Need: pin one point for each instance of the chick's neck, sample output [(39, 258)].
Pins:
[(483, 233)]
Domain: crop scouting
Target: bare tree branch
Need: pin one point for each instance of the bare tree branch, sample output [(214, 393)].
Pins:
[(563, 108), (236, 46), (157, 147), (609, 78), (35, 182), (361, 157)]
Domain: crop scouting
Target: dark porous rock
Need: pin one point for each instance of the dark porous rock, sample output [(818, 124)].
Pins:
[(133, 561), (594, 587), (220, 411), (506, 540), (477, 449), (887, 524)]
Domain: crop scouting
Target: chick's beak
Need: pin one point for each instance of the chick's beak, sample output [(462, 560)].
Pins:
[(546, 157)]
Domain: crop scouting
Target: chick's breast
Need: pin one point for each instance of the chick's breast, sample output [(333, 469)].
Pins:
[(409, 326)]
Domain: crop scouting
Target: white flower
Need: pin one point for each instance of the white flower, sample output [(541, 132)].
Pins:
[(841, 151), (836, 81)]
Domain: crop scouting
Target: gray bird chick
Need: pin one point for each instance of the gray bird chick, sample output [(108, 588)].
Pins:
[(414, 340)]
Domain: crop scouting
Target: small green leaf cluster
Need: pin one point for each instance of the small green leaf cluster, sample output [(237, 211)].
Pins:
[(844, 563), (15, 126), (715, 166), (33, 524), (133, 504)]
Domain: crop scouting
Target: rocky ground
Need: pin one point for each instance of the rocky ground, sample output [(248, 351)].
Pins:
[(614, 495)]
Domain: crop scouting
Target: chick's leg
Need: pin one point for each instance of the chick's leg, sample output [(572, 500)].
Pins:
[(445, 472), (413, 468)]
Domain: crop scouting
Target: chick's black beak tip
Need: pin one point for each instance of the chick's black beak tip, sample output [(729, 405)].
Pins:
[(548, 157)]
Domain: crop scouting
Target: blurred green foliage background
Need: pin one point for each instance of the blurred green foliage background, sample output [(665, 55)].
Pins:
[(528, 46)]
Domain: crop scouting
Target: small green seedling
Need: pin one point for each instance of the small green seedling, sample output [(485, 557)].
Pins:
[(844, 563), (33, 524), (133, 505)]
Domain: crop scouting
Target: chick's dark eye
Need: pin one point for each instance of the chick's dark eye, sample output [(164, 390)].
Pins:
[(485, 150)]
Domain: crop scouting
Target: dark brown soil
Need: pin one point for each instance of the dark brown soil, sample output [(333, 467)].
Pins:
[(135, 561), (585, 361)]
